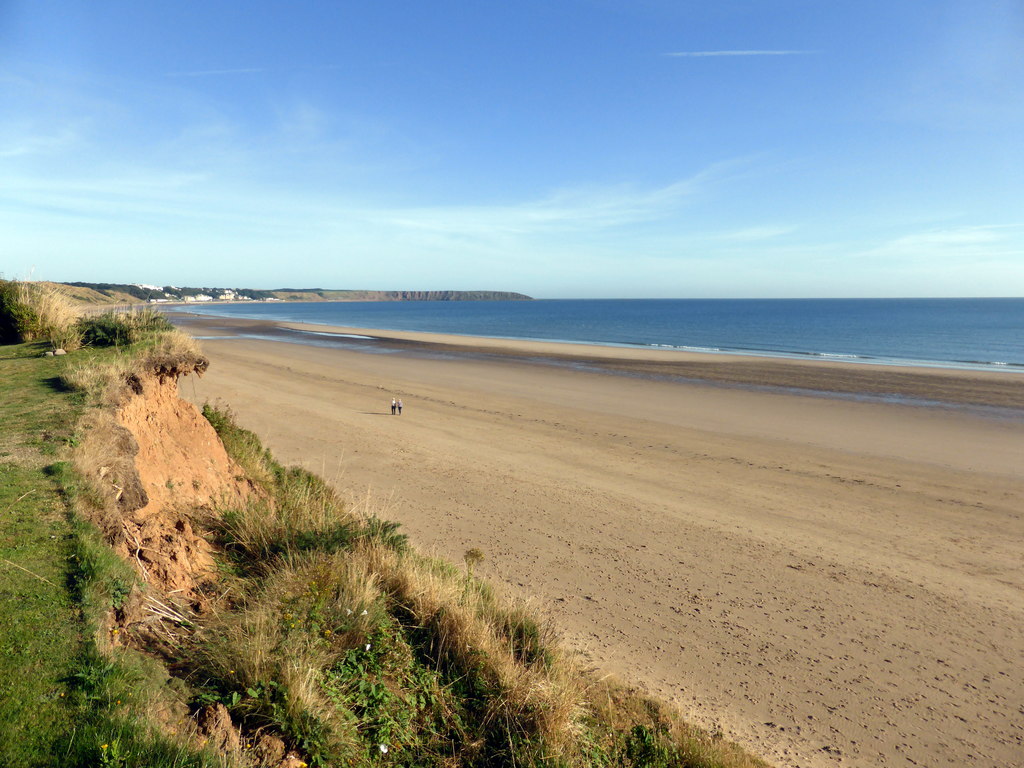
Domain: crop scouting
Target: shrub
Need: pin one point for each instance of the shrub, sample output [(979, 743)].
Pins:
[(16, 318), (38, 312), (119, 329)]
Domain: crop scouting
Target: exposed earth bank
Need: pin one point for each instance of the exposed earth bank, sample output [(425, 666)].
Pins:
[(163, 468)]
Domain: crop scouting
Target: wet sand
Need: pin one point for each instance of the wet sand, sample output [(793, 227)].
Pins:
[(801, 554)]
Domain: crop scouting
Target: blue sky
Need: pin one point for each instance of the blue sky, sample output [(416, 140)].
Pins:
[(566, 148)]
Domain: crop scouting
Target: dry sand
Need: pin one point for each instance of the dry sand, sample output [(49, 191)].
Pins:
[(827, 581)]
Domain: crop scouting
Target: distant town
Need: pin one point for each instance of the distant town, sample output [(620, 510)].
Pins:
[(157, 294), (169, 293)]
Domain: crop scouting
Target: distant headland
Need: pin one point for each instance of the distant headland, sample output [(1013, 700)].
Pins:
[(130, 293)]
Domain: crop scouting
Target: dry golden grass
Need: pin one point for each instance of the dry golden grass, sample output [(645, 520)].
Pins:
[(470, 631), (623, 708), (105, 382), (315, 606), (172, 352), (328, 588), (56, 315), (305, 617), (300, 513), (105, 461)]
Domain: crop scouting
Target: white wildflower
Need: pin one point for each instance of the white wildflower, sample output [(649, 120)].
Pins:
[(383, 748)]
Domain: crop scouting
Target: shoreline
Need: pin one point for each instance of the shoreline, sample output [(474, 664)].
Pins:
[(731, 352), (993, 393)]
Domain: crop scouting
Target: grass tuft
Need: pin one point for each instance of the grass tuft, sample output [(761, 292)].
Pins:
[(122, 328), (242, 445)]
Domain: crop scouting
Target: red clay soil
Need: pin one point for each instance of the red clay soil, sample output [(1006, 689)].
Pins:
[(182, 467), (162, 466)]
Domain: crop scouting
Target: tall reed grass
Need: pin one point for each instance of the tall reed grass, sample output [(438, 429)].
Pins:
[(32, 311), (120, 328)]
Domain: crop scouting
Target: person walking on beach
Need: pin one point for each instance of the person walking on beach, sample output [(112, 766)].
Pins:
[(399, 407), (394, 405)]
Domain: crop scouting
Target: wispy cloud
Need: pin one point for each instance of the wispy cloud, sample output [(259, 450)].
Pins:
[(751, 234), (18, 142), (953, 238), (704, 54), (164, 198), (213, 72), (567, 210), (965, 244), (577, 209), (249, 71)]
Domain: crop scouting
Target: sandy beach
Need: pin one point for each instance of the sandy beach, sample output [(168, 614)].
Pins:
[(823, 561)]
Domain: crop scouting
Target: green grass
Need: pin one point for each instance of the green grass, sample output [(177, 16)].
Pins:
[(34, 404), (40, 636), (61, 698)]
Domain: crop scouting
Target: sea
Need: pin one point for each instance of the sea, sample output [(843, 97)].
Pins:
[(977, 334)]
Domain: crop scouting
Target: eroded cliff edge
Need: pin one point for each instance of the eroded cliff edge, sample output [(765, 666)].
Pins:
[(159, 467)]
